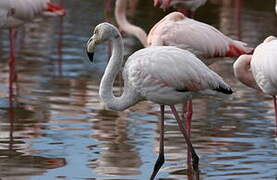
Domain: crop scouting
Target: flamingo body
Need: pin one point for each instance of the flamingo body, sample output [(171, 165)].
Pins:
[(168, 75), (264, 67), (201, 39), (175, 29)]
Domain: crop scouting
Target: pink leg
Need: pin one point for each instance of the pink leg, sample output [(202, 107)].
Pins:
[(187, 116), (11, 61), (195, 158), (188, 127), (107, 6), (275, 108), (160, 159)]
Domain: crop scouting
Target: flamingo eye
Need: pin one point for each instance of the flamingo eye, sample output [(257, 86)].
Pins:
[(96, 31)]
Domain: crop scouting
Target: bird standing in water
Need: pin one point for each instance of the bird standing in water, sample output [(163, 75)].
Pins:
[(165, 75), (14, 13)]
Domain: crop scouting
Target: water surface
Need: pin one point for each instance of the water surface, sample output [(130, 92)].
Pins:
[(56, 126)]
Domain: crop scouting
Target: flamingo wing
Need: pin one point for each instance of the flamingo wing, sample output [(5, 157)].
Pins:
[(201, 39), (165, 70)]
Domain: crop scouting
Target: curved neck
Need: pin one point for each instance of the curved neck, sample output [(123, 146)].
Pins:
[(242, 71), (120, 16), (129, 96)]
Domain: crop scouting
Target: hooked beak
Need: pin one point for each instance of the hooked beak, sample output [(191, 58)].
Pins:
[(90, 48), (90, 56)]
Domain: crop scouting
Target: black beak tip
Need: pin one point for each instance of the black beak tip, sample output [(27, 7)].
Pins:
[(90, 56)]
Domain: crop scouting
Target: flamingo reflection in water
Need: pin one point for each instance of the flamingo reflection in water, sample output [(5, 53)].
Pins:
[(163, 74), (259, 70), (15, 13)]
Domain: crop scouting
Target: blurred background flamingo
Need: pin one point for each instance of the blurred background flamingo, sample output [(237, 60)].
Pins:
[(14, 13)]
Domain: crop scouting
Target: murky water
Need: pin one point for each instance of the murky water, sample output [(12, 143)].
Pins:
[(56, 127)]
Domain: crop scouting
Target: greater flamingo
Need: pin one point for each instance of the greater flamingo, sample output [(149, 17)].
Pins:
[(14, 13), (162, 74), (187, 7), (259, 70)]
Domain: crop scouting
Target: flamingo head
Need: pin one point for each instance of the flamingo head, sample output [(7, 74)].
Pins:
[(102, 32)]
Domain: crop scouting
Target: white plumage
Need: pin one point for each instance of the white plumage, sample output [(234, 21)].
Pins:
[(165, 75), (264, 66), (168, 75), (259, 70)]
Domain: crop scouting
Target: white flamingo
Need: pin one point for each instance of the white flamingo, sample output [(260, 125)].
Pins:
[(162, 74), (259, 70), (187, 7), (14, 13)]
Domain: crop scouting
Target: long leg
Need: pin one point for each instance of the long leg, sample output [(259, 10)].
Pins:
[(11, 62), (195, 158), (275, 108), (187, 116), (160, 159), (188, 127)]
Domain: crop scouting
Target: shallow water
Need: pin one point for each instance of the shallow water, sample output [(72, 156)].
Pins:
[(57, 128)]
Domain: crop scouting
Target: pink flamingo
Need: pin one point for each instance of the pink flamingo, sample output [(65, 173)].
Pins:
[(187, 7), (259, 70), (165, 75), (175, 29), (14, 13)]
